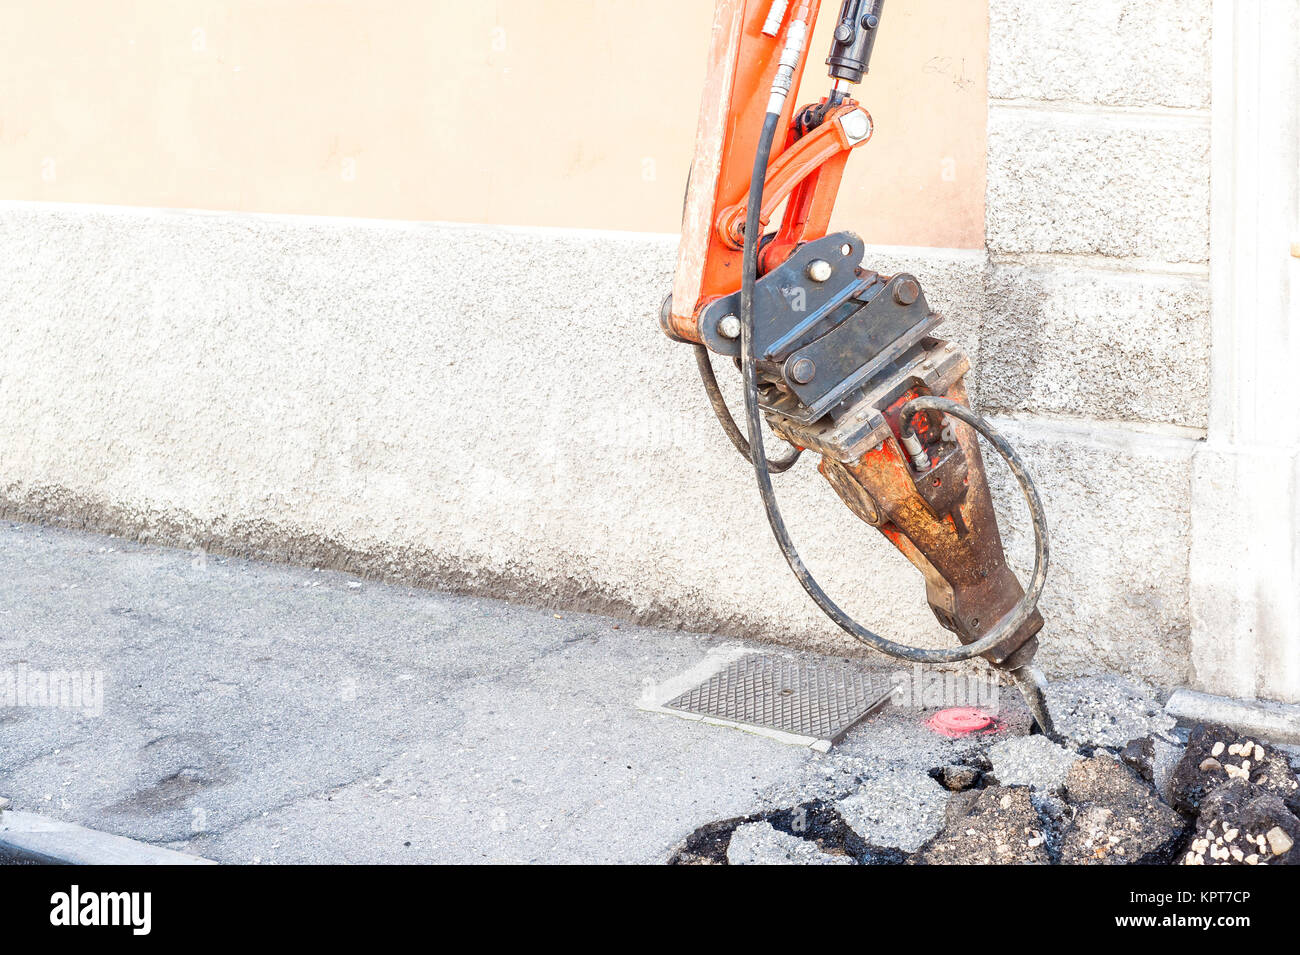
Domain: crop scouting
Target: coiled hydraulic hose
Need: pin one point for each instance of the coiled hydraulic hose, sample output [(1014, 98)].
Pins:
[(763, 471)]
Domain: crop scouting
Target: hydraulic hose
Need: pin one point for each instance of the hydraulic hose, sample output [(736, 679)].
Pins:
[(763, 471), (723, 413)]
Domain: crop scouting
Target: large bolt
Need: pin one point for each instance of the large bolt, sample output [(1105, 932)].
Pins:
[(803, 370), (729, 327), (906, 292), (819, 270), (856, 126)]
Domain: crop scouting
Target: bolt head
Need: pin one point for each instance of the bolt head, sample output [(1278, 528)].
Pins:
[(906, 292), (803, 370), (819, 270), (729, 327), (856, 125)]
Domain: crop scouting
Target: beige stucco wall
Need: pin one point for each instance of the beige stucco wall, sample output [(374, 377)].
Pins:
[(561, 113)]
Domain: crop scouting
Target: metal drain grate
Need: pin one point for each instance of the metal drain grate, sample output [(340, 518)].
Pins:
[(821, 700)]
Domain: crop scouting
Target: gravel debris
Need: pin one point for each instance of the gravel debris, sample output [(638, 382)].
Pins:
[(1278, 841), (1117, 787), (1118, 819), (1241, 824), (1200, 772), (1000, 826)]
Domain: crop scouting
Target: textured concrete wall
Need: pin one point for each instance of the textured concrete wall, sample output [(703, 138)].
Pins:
[(496, 410), (1098, 292)]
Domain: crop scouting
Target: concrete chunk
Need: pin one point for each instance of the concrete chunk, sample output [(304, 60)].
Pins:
[(1275, 722), (1031, 761), (896, 810), (1108, 712), (1119, 820), (757, 843)]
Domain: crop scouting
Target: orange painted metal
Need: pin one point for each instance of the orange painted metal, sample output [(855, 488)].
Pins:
[(742, 64), (798, 166), (808, 212)]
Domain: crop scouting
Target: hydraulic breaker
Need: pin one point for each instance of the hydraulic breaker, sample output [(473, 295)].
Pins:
[(840, 360)]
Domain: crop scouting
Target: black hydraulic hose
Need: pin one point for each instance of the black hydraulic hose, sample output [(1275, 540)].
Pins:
[(749, 370), (728, 423)]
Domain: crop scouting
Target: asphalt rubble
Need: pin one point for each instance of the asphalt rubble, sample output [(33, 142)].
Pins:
[(1120, 783)]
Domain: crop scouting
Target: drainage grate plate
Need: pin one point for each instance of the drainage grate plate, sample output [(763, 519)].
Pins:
[(821, 700)]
